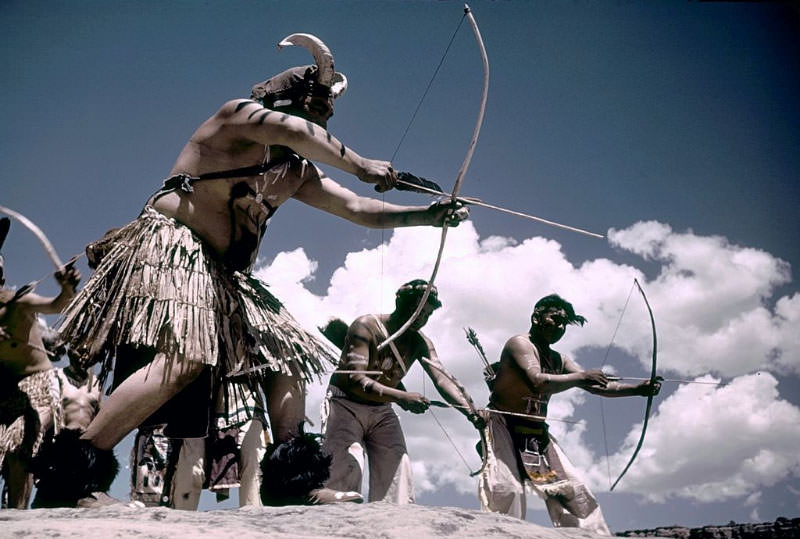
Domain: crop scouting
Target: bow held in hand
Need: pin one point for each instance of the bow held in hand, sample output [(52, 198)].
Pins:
[(448, 212)]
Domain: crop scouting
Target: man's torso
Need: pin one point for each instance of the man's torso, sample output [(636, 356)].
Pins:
[(392, 366), (80, 403), (210, 211), (512, 391)]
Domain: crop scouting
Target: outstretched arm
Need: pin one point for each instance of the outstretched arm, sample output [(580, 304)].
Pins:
[(325, 194), (525, 356), (252, 121), (617, 389), (68, 278), (448, 386)]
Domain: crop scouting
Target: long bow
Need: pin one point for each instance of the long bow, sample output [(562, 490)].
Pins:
[(459, 179), (653, 378), (30, 225)]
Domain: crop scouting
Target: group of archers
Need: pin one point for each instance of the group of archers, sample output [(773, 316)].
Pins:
[(211, 369)]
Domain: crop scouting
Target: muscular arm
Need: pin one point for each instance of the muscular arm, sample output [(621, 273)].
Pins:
[(446, 384), (325, 194), (525, 356), (68, 279), (246, 119), (356, 357), (598, 383)]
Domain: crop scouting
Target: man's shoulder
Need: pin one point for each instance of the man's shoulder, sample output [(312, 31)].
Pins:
[(366, 323), (519, 341), (232, 107), (369, 320)]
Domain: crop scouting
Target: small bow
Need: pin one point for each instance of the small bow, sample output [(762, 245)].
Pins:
[(30, 225)]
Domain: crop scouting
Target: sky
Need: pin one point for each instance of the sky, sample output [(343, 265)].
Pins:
[(671, 128)]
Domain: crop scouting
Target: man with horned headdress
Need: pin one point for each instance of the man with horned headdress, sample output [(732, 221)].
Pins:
[(360, 422), (29, 389), (521, 451), (172, 298)]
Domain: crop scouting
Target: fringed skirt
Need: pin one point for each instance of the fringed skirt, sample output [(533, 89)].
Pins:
[(158, 286), (22, 408)]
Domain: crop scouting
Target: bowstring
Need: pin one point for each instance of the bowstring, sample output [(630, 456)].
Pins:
[(444, 431), (428, 87), (40, 280), (383, 201), (605, 359), (411, 122)]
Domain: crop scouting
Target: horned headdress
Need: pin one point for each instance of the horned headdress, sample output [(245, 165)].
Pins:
[(320, 80)]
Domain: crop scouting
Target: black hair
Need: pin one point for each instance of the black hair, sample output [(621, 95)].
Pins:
[(556, 301), (408, 295)]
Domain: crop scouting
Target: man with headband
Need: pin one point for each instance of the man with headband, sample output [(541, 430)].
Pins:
[(521, 450), (172, 298), (29, 389), (360, 422)]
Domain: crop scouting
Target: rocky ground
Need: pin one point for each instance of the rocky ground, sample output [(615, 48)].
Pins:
[(368, 521)]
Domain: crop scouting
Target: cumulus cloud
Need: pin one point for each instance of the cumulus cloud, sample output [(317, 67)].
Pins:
[(713, 302), (713, 443), (715, 313)]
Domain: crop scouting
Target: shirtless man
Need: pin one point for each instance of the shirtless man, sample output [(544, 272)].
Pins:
[(172, 296), (528, 373), (80, 394), (28, 386), (360, 418)]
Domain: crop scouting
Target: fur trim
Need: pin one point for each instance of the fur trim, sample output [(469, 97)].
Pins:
[(69, 469), (291, 470)]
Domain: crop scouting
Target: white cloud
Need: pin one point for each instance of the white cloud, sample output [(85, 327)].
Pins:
[(712, 443), (711, 299), (712, 307)]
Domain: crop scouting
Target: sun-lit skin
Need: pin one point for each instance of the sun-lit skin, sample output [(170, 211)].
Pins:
[(22, 353), (360, 354), (531, 370)]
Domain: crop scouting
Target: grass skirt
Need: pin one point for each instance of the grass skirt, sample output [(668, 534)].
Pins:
[(21, 410), (159, 286)]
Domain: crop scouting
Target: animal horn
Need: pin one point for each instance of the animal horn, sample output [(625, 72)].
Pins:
[(320, 51)]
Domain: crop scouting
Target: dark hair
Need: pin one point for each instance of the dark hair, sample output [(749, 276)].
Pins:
[(556, 301), (409, 294)]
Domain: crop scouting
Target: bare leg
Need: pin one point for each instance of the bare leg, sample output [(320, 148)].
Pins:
[(252, 451), (19, 480), (190, 474), (20, 483), (286, 405), (141, 394)]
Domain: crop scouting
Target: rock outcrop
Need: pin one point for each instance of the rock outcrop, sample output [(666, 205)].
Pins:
[(782, 528)]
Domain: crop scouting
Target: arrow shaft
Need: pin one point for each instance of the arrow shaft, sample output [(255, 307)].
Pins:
[(477, 202)]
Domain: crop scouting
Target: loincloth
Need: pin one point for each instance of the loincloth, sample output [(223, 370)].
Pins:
[(155, 459), (158, 286), (540, 461), (21, 408)]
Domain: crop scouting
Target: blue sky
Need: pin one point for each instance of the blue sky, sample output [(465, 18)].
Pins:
[(674, 125)]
